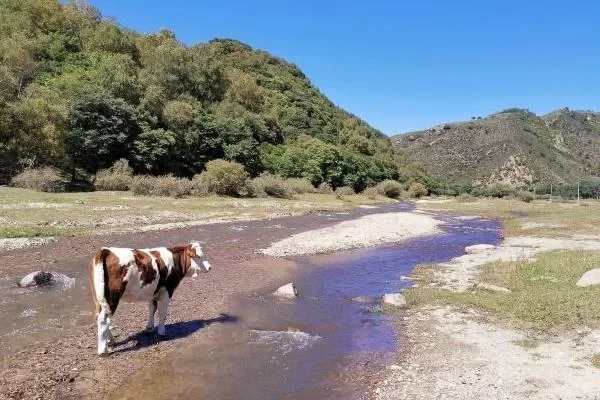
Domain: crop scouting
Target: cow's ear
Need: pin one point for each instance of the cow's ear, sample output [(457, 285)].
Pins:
[(190, 252)]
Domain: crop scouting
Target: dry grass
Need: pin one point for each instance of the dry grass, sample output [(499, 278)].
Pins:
[(543, 293), (27, 213), (596, 360), (538, 218)]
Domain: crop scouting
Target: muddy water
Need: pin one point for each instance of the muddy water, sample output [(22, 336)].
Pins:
[(319, 346)]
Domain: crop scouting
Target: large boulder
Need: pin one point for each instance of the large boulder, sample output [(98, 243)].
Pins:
[(47, 279), (394, 299), (288, 291), (37, 278), (590, 278)]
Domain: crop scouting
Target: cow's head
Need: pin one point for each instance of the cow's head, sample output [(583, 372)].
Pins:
[(197, 262)]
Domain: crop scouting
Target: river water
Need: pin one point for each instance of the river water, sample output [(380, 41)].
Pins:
[(322, 345)]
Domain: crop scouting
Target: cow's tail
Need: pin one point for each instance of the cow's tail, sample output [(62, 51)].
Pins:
[(98, 276)]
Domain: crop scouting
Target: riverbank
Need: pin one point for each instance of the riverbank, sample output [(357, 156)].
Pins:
[(506, 322), (28, 218), (48, 352)]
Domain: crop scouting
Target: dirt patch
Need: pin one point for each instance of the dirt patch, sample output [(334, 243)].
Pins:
[(456, 355)]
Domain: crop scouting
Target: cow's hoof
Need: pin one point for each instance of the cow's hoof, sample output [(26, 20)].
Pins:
[(104, 354)]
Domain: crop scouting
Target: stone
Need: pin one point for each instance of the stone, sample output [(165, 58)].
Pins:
[(37, 278), (364, 299), (479, 247), (288, 290), (394, 299), (493, 288), (590, 278), (79, 201)]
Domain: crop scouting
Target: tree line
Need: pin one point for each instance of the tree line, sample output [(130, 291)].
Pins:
[(78, 92)]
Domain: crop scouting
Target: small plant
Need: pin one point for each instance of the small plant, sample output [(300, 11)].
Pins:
[(371, 193), (390, 188), (45, 179), (525, 196), (168, 186), (325, 188), (273, 185), (596, 360), (416, 190), (344, 191), (300, 186), (118, 177), (224, 177)]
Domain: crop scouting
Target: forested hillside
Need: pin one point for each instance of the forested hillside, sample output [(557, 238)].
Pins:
[(514, 147), (78, 92)]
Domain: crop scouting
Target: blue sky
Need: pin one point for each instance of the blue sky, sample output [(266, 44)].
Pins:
[(407, 65)]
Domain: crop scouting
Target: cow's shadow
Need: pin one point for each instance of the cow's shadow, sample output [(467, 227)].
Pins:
[(174, 331)]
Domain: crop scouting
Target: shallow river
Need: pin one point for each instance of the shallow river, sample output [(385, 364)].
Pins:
[(318, 346)]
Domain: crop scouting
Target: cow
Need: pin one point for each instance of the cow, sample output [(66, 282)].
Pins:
[(139, 275)]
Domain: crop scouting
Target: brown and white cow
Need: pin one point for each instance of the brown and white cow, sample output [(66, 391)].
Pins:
[(134, 275)]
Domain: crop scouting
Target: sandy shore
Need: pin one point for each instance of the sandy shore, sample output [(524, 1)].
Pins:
[(370, 230)]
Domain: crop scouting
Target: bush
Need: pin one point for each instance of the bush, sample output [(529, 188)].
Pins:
[(324, 187), (118, 177), (465, 198), (224, 178), (371, 193), (344, 191), (273, 185), (390, 188), (525, 196), (41, 179), (168, 186), (417, 190), (300, 186)]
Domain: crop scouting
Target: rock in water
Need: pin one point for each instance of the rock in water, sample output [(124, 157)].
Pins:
[(38, 278), (288, 290), (394, 299), (479, 247), (591, 277)]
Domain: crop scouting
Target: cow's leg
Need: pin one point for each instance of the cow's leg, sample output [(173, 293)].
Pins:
[(163, 304), (152, 304), (103, 332), (111, 339)]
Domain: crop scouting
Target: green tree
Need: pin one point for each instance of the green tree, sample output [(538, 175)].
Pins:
[(101, 131)]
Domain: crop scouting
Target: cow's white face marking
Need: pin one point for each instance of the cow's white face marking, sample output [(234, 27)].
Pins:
[(195, 269)]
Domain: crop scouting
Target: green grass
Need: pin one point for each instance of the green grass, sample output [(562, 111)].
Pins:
[(18, 232), (527, 343), (544, 295)]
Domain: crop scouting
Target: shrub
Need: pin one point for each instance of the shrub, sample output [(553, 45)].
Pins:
[(41, 179), (390, 188), (344, 191), (525, 196), (224, 178), (324, 187), (417, 190), (465, 198), (371, 193), (300, 186), (273, 185), (117, 177), (168, 186)]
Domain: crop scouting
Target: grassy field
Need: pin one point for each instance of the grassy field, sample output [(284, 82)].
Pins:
[(539, 218), (543, 292), (26, 213)]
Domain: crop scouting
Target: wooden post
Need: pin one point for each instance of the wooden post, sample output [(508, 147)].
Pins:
[(578, 192), (550, 193)]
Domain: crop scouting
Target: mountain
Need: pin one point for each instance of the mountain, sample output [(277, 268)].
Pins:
[(513, 147), (78, 91)]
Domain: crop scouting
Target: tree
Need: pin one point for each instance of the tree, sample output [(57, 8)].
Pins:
[(101, 131)]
